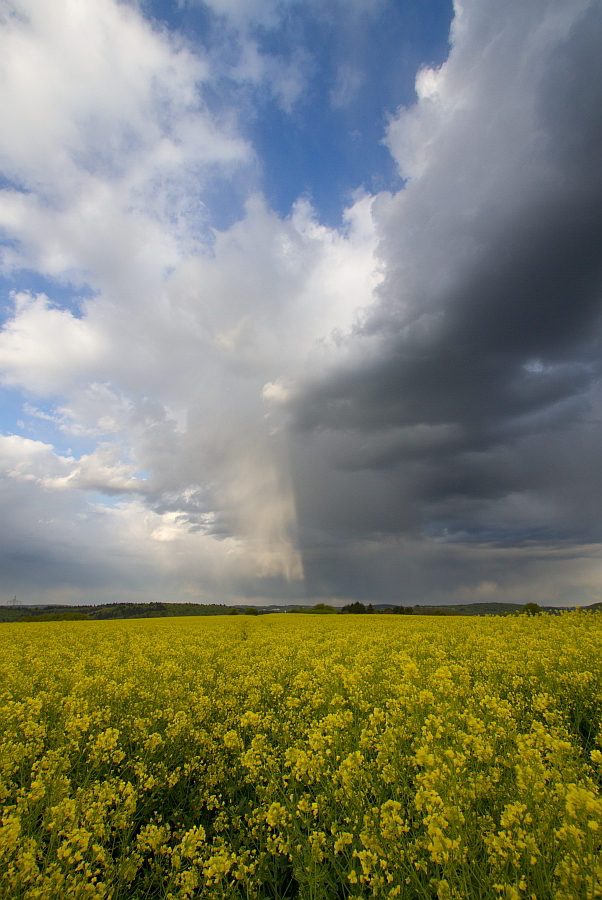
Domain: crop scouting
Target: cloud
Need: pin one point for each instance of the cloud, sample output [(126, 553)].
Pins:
[(272, 13), (287, 79), (474, 375), (101, 471), (44, 349), (71, 550), (108, 153), (170, 366), (266, 46), (114, 92), (27, 460), (34, 461)]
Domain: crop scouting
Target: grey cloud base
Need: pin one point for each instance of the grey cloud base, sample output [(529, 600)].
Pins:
[(465, 405)]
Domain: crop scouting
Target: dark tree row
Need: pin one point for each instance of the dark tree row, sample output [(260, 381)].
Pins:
[(360, 609), (357, 608)]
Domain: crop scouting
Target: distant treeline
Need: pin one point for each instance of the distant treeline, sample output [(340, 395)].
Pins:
[(320, 609), (54, 617), (157, 610), (56, 613), (353, 609), (112, 611), (360, 609)]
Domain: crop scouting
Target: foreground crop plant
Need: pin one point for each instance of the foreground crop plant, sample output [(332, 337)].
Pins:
[(293, 756)]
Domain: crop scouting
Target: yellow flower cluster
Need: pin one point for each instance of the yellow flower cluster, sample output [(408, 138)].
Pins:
[(310, 757)]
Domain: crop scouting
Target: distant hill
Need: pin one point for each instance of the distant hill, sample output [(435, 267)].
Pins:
[(475, 609), (471, 609), (119, 610)]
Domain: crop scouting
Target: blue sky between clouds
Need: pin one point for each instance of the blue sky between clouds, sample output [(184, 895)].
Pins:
[(357, 67)]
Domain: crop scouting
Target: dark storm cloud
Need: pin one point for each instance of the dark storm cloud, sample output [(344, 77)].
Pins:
[(518, 335), (470, 392), (569, 101)]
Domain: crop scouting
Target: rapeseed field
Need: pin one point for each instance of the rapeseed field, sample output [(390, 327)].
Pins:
[(297, 756)]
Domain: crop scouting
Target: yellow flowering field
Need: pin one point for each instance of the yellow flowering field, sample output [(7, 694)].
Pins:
[(302, 756)]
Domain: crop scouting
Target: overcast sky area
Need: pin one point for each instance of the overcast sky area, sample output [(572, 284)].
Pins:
[(301, 301)]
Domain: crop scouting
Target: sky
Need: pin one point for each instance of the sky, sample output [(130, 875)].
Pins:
[(301, 302)]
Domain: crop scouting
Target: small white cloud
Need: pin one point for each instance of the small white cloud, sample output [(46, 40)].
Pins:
[(102, 471), (44, 348), (275, 392), (24, 459), (428, 82)]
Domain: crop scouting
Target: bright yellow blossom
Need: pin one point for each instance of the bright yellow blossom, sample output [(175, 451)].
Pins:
[(216, 759)]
